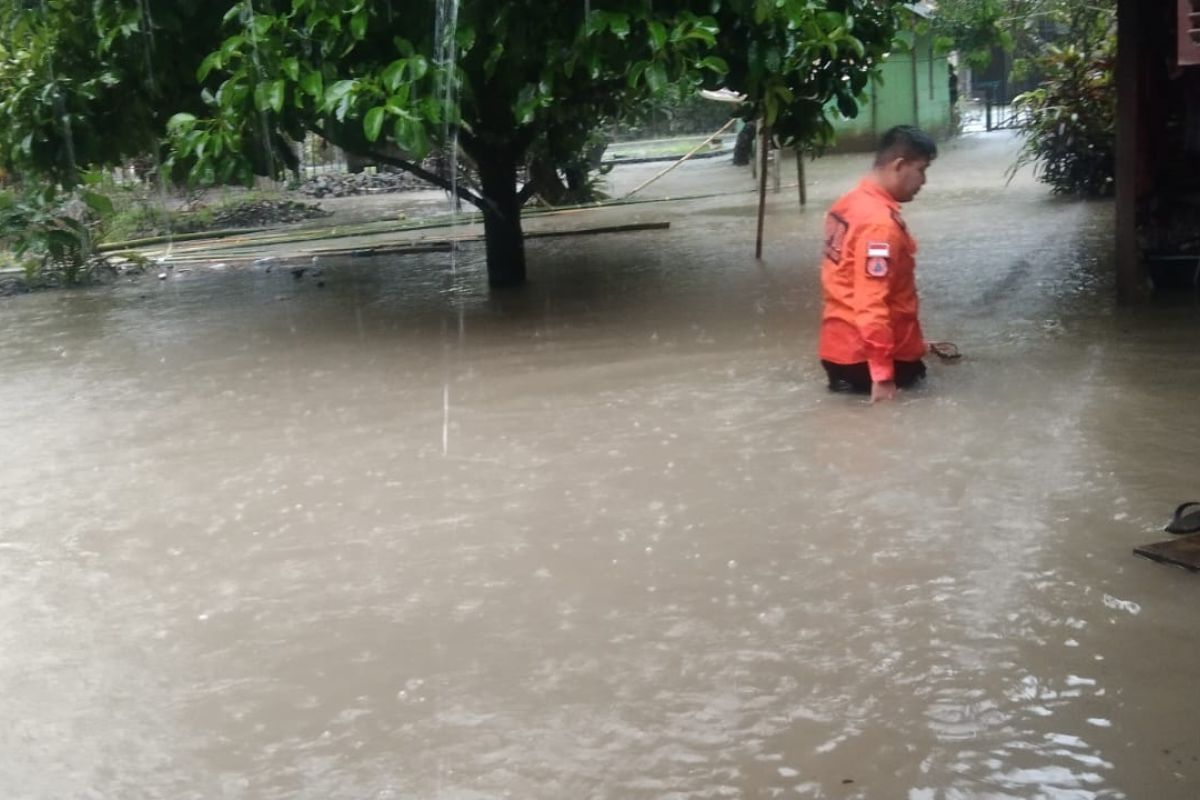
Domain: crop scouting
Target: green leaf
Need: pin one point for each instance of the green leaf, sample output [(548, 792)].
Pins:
[(526, 104), (656, 76), (393, 74), (99, 203), (262, 25), (398, 102), (403, 46), (716, 64), (829, 20), (419, 66), (658, 35), (762, 10), (276, 94), (774, 59), (636, 72), (489, 65), (618, 23), (181, 121), (313, 84), (847, 106), (411, 136), (904, 41), (432, 109), (291, 68), (211, 62), (701, 34), (465, 38), (358, 25), (262, 97), (373, 123), (232, 45), (338, 92)]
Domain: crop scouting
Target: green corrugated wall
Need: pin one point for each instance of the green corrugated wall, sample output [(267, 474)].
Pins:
[(902, 96)]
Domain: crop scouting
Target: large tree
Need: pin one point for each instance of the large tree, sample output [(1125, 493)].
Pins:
[(390, 79)]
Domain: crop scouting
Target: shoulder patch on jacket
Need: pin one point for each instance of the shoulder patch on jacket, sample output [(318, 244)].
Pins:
[(878, 254), (835, 235)]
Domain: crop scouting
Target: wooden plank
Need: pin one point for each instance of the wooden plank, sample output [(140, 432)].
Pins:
[(636, 226), (446, 245), (1183, 551)]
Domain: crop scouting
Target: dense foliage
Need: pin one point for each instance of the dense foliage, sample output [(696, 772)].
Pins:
[(504, 81), (87, 84), (1024, 28), (1069, 121), (1069, 48)]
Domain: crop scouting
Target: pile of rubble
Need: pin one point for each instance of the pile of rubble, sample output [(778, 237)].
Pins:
[(263, 213), (348, 184)]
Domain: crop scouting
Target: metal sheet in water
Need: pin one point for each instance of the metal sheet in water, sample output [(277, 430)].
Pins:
[(1181, 552)]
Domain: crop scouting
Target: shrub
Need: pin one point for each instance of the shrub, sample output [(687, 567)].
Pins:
[(52, 236), (1069, 121)]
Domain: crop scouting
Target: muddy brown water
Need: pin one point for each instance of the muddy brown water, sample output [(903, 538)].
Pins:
[(609, 536)]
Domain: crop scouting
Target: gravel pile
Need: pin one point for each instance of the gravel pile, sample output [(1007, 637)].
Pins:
[(348, 184), (261, 213)]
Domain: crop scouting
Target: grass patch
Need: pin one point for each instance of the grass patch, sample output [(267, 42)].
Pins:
[(138, 214)]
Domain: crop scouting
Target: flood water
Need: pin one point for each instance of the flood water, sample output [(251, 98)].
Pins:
[(608, 536)]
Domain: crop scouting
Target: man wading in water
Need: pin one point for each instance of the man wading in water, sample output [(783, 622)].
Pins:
[(870, 336)]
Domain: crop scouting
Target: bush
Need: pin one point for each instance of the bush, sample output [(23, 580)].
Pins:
[(1069, 121), (50, 235)]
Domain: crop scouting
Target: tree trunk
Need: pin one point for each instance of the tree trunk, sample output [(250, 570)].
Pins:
[(743, 147), (502, 220)]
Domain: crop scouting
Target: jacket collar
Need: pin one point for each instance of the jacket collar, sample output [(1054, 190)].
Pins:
[(868, 185)]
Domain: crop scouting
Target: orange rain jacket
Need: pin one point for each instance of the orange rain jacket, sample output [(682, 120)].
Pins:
[(867, 276)]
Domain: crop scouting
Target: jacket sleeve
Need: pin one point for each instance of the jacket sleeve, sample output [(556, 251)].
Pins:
[(875, 255)]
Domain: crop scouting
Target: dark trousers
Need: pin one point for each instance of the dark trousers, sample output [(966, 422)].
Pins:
[(857, 377)]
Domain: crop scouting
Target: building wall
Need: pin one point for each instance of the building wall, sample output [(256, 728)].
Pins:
[(902, 95)]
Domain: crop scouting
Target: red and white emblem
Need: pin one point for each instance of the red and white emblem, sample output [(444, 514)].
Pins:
[(878, 254)]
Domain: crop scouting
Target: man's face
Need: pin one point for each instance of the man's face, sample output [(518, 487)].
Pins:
[(908, 176)]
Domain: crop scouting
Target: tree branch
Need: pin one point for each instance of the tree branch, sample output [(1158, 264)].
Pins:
[(426, 175), (526, 194)]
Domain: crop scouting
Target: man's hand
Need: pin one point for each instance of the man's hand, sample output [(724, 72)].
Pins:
[(883, 390)]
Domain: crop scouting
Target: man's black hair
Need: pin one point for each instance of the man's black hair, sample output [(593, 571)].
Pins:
[(907, 142)]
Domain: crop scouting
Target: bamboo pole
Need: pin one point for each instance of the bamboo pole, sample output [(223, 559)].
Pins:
[(691, 153), (417, 247)]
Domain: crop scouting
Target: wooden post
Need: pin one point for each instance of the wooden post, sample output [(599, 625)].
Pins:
[(762, 187), (1129, 58), (915, 89), (874, 109), (932, 96), (800, 176)]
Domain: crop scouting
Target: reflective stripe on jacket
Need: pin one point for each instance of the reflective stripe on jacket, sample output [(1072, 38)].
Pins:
[(869, 288)]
